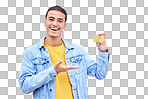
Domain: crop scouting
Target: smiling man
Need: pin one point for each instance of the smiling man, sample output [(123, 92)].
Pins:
[(57, 69)]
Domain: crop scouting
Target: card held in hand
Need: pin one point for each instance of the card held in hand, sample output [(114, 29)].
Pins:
[(98, 38)]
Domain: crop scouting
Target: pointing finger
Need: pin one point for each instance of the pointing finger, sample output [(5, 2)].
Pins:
[(71, 67), (75, 67)]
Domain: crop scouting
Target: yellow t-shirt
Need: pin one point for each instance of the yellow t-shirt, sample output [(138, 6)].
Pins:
[(63, 88)]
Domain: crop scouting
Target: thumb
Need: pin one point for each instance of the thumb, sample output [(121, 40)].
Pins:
[(60, 62), (98, 43)]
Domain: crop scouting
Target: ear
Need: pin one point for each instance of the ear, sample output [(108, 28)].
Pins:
[(65, 25), (45, 23)]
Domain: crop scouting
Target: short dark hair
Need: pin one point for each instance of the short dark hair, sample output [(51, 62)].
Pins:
[(57, 8)]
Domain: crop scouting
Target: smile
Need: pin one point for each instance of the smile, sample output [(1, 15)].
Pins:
[(55, 29)]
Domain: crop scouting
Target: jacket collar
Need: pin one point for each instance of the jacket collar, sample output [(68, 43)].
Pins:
[(67, 44)]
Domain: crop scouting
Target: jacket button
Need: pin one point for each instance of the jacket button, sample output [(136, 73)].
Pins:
[(50, 90), (47, 61)]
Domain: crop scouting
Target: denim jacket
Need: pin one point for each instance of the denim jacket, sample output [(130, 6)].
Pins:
[(37, 73)]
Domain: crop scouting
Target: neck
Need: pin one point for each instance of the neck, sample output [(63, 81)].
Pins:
[(53, 41)]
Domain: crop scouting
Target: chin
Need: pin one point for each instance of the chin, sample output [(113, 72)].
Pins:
[(52, 35)]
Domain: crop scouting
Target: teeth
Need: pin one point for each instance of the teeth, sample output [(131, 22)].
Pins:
[(54, 29)]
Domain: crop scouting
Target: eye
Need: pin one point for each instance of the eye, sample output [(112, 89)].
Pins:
[(60, 21), (51, 19)]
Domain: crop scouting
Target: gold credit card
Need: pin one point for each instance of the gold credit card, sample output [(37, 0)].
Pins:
[(98, 38)]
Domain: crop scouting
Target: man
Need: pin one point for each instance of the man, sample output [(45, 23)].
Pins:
[(56, 69)]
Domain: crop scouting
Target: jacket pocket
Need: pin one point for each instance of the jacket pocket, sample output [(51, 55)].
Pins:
[(77, 61), (39, 64)]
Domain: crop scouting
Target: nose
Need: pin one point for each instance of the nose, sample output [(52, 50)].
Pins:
[(55, 23)]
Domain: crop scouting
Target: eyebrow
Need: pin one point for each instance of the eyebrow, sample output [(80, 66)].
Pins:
[(60, 18), (51, 17), (54, 18)]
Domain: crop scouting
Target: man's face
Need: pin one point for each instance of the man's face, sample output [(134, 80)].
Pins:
[(55, 23)]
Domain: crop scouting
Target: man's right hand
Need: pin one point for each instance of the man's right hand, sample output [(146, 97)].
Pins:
[(59, 68)]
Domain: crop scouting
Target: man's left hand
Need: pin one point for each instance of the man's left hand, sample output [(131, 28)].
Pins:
[(102, 46)]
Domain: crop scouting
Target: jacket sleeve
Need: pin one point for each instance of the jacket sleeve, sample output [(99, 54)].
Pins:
[(29, 80), (99, 68)]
